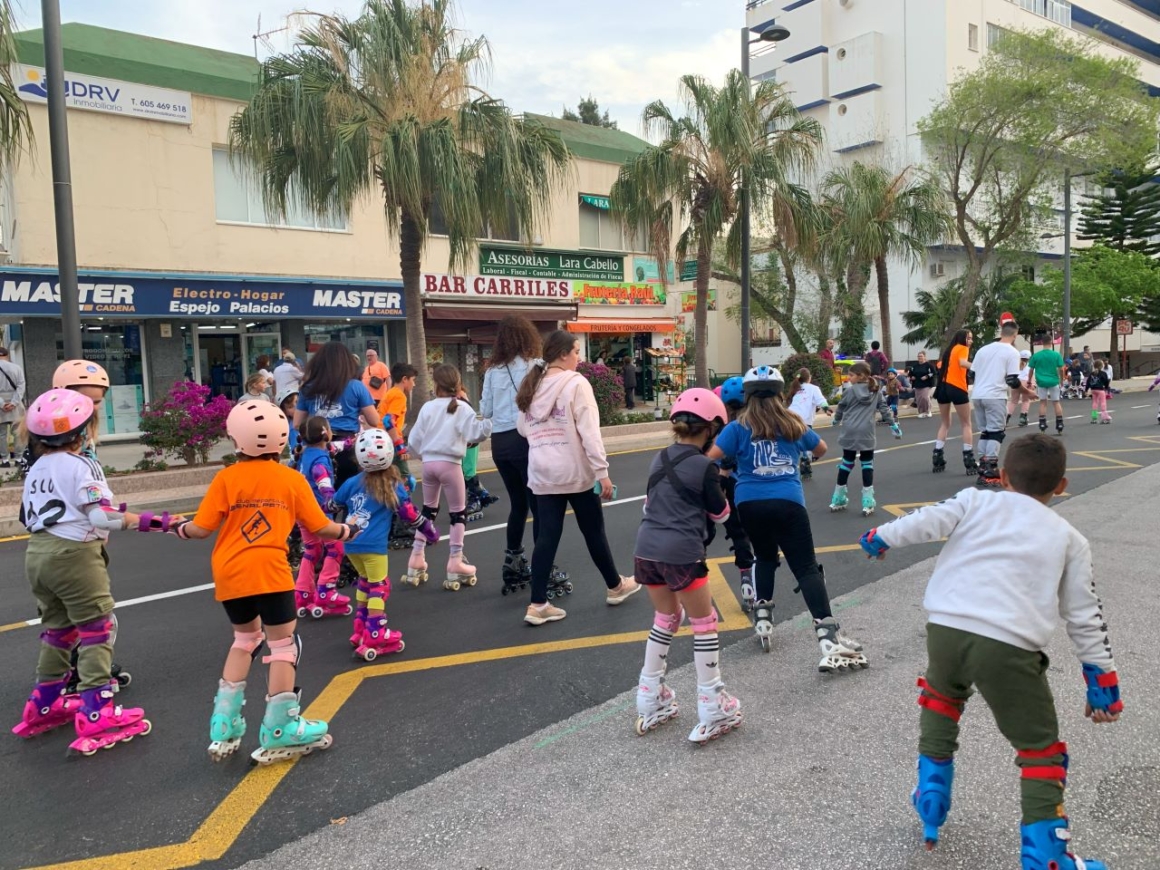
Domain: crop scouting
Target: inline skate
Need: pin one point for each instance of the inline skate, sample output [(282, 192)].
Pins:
[(763, 623), (839, 653), (285, 734), (970, 466), (932, 796), (459, 573), (361, 611), (656, 704), (1042, 424), (1045, 848), (227, 726), (1058, 425), (49, 706), (101, 724), (1022, 420), (868, 503), (938, 460), (989, 472), (476, 492), (517, 573), (748, 590), (718, 711), (327, 602), (402, 535), (807, 467), (840, 499), (378, 640), (558, 583)]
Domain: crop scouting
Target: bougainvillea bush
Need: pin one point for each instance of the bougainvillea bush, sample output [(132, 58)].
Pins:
[(186, 423), (608, 387)]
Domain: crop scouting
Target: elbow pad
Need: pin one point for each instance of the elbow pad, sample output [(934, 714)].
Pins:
[(1013, 382), (1103, 689), (721, 517)]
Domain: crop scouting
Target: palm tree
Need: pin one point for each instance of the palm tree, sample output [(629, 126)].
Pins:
[(386, 103), (731, 139), (886, 214), (15, 128)]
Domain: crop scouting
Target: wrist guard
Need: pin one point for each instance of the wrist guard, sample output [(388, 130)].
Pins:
[(1103, 689), (425, 527), (149, 522), (873, 544)]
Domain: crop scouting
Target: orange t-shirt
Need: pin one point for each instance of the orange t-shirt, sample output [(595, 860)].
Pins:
[(956, 375), (394, 403), (256, 503)]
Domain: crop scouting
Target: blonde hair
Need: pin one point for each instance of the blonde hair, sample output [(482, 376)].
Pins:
[(382, 485), (256, 383), (768, 418)]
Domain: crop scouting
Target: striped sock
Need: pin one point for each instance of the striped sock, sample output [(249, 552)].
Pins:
[(706, 649), (656, 651)]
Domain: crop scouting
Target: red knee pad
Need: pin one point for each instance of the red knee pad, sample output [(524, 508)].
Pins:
[(704, 624), (1057, 772), (936, 702)]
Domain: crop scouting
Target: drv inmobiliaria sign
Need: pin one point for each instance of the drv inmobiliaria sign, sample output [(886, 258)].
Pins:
[(37, 294), (97, 94), (537, 263)]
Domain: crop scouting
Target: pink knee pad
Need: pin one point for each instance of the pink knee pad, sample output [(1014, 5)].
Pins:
[(669, 622), (97, 632), (287, 649), (60, 638), (250, 641), (381, 589), (704, 624)]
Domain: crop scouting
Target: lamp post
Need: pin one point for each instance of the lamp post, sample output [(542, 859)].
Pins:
[(772, 33)]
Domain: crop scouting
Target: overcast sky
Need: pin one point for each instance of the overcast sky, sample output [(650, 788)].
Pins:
[(626, 53)]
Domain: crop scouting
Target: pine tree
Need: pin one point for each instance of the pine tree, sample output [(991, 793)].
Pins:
[(1126, 214), (588, 112)]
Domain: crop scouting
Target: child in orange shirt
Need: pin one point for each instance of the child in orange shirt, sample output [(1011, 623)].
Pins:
[(256, 503), (393, 409)]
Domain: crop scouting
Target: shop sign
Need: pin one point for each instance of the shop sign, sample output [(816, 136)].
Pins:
[(537, 263), (600, 202), (619, 293), (645, 269), (37, 294), (689, 270), (689, 301), (96, 94), (487, 288)]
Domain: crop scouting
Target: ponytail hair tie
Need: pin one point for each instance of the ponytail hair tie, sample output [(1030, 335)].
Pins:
[(538, 363)]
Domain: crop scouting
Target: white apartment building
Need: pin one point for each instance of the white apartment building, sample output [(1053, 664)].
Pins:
[(870, 70)]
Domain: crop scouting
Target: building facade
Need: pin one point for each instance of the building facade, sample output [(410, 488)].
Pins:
[(870, 70)]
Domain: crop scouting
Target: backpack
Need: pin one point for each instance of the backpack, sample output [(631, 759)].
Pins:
[(877, 360)]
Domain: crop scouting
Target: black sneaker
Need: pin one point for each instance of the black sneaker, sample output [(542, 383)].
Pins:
[(5, 464)]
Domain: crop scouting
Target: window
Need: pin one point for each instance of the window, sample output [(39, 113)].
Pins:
[(1058, 11), (238, 199), (994, 34), (973, 37), (601, 232), (437, 225)]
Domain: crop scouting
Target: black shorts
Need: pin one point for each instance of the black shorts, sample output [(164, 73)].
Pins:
[(678, 578), (274, 608), (949, 394)]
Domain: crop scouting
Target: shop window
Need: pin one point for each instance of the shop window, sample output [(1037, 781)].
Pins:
[(507, 232), (600, 231), (238, 199), (118, 349)]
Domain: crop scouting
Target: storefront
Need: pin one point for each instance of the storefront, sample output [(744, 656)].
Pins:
[(150, 330), (621, 320)]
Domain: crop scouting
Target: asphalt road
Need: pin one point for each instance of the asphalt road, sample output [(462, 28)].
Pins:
[(470, 692)]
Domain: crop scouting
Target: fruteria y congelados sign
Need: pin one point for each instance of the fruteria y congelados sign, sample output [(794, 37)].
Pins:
[(619, 293), (487, 288), (96, 94), (537, 263), (109, 294)]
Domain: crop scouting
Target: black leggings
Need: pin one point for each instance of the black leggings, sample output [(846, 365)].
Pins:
[(734, 530), (779, 524), (550, 521), (846, 465), (345, 464), (509, 452)]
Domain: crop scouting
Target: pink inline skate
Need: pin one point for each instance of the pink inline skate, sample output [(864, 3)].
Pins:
[(48, 707), (101, 724), (328, 602), (378, 640)]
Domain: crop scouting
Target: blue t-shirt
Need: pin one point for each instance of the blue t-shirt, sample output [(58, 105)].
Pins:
[(375, 518), (765, 469), (343, 414), (311, 457)]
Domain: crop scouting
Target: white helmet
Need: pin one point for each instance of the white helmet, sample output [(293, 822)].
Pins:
[(281, 398), (763, 381), (373, 450)]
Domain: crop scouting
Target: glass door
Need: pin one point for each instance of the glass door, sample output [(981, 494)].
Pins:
[(259, 344)]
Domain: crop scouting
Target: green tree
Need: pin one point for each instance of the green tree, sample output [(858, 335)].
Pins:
[(731, 138), (588, 112), (885, 214), (1001, 137), (1105, 282), (15, 128), (386, 103)]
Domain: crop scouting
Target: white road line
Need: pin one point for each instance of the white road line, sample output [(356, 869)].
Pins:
[(1138, 407)]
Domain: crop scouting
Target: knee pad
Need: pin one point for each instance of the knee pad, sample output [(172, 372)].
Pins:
[(312, 552), (250, 641), (287, 649), (431, 512), (936, 702), (379, 589), (998, 436), (97, 632), (1047, 768), (867, 464), (704, 624), (458, 518), (846, 465), (669, 622), (334, 549), (60, 638)]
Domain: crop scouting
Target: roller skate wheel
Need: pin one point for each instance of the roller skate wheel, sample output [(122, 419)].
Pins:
[(504, 591), (765, 643), (301, 612), (349, 610), (551, 593), (451, 585), (471, 581), (369, 654), (316, 612), (568, 588), (124, 679)]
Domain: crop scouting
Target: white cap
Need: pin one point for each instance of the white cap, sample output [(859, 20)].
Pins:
[(1024, 354)]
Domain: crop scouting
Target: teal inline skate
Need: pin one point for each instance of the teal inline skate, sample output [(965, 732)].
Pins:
[(840, 500), (285, 734), (227, 726)]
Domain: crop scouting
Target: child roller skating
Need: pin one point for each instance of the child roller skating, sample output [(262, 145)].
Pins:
[(989, 632), (373, 499), (732, 393), (806, 400), (255, 503), (66, 507), (683, 491), (766, 440), (861, 399), (1099, 385), (319, 598), (1019, 399), (441, 435)]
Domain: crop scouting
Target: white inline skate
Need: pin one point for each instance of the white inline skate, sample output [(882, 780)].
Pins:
[(718, 711), (763, 623), (656, 704), (748, 590), (839, 653)]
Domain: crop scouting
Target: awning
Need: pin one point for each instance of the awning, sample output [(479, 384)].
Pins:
[(494, 313), (621, 326)]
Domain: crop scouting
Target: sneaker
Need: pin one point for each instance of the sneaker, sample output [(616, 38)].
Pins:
[(5, 464), (627, 587), (539, 615)]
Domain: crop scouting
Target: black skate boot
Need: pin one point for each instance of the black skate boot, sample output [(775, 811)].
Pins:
[(517, 573), (807, 467), (474, 509), (938, 458), (558, 583), (1042, 424), (477, 492), (969, 463), (988, 472), (402, 535), (1022, 420), (1058, 425)]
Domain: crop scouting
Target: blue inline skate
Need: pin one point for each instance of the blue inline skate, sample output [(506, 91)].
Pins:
[(932, 797), (1045, 848)]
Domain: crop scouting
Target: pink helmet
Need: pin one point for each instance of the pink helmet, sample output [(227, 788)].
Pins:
[(258, 428), (74, 373), (717, 391), (699, 403), (59, 416), (373, 450)]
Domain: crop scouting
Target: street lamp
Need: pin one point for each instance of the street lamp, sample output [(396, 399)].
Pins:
[(771, 34)]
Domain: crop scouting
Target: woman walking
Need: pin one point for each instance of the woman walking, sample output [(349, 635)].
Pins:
[(567, 466), (922, 375), (952, 390)]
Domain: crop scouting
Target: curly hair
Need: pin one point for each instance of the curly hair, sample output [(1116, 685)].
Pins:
[(517, 337)]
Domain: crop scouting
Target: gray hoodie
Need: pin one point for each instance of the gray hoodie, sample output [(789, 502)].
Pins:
[(856, 415), (562, 425)]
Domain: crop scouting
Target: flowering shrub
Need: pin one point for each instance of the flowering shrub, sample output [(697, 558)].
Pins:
[(185, 423), (608, 387)]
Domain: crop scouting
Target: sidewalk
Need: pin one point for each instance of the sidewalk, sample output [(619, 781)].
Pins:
[(820, 773)]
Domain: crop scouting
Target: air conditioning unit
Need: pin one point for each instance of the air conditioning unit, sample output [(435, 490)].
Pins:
[(938, 270)]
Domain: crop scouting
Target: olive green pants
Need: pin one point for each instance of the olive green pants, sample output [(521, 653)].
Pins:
[(1013, 682), (70, 581)]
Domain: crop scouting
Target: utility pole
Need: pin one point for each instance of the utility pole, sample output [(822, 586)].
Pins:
[(1066, 337), (745, 229)]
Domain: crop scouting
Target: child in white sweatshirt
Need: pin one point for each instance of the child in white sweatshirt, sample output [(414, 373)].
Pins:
[(1010, 568), (440, 435)]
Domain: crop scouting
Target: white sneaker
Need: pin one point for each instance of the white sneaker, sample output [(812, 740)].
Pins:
[(628, 586)]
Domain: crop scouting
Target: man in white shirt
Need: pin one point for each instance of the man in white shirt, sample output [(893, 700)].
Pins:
[(11, 407), (996, 369), (287, 374)]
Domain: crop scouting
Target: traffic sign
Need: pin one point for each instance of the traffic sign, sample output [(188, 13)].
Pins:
[(1124, 327)]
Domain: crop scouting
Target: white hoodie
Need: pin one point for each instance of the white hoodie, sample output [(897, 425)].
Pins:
[(441, 437), (565, 451)]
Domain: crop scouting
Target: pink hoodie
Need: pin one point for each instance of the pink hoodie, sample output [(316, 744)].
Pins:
[(565, 451)]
